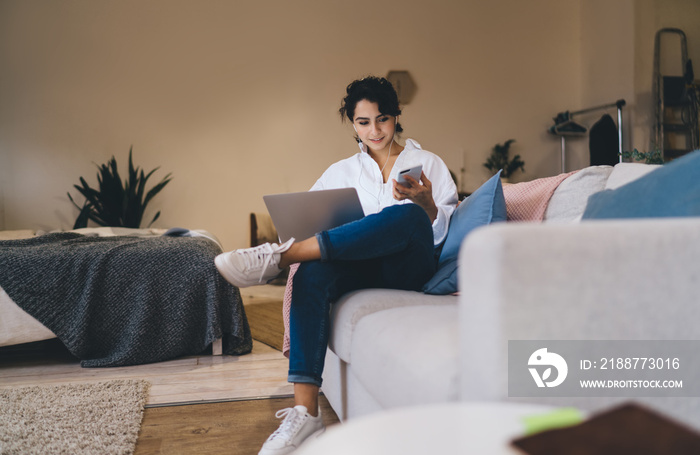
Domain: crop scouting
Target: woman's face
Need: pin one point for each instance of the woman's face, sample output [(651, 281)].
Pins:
[(373, 128)]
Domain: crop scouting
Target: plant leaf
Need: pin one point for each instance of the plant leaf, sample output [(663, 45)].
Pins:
[(117, 203), (83, 216), (154, 218), (156, 189)]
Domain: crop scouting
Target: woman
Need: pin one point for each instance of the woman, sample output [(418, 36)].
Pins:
[(393, 246)]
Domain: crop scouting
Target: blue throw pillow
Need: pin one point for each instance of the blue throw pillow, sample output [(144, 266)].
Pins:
[(486, 205), (672, 190)]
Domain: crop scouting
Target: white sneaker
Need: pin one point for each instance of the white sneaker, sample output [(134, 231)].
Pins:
[(252, 266), (297, 426)]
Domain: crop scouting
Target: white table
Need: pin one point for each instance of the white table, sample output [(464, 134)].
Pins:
[(451, 428)]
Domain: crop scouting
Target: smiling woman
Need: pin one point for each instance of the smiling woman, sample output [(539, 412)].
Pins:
[(393, 246)]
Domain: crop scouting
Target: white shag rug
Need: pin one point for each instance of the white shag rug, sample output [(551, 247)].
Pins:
[(97, 418)]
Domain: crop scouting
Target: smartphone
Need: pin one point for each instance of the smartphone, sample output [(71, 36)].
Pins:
[(414, 172)]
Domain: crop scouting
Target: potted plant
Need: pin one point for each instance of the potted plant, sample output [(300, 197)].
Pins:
[(115, 203), (499, 159), (653, 156)]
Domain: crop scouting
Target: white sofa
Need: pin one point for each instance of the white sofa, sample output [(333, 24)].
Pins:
[(560, 279)]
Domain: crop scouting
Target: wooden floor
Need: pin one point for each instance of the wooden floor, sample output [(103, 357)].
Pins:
[(232, 428), (196, 379)]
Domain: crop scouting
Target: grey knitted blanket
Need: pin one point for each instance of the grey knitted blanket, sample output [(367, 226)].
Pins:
[(116, 301)]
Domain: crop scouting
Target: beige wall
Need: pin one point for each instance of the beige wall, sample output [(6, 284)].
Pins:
[(607, 68), (239, 99), (651, 16)]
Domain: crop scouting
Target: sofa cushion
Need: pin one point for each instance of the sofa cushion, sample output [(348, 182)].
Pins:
[(352, 307), (484, 206), (672, 190), (624, 173), (408, 356), (569, 200)]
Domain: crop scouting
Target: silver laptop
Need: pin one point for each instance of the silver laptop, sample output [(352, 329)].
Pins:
[(302, 215)]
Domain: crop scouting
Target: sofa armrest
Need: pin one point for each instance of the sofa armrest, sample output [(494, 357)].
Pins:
[(613, 279)]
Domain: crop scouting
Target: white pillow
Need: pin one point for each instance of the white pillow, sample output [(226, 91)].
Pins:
[(108, 231), (569, 200), (16, 235), (623, 173)]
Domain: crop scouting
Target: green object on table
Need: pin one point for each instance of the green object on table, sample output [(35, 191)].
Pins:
[(560, 418)]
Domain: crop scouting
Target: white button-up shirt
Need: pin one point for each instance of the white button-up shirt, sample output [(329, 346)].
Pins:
[(361, 172)]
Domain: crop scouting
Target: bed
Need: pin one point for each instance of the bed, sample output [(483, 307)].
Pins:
[(118, 297)]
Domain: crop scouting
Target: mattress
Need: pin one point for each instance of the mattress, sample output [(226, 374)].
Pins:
[(16, 326)]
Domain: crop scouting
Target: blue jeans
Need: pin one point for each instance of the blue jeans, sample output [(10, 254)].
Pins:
[(392, 249)]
